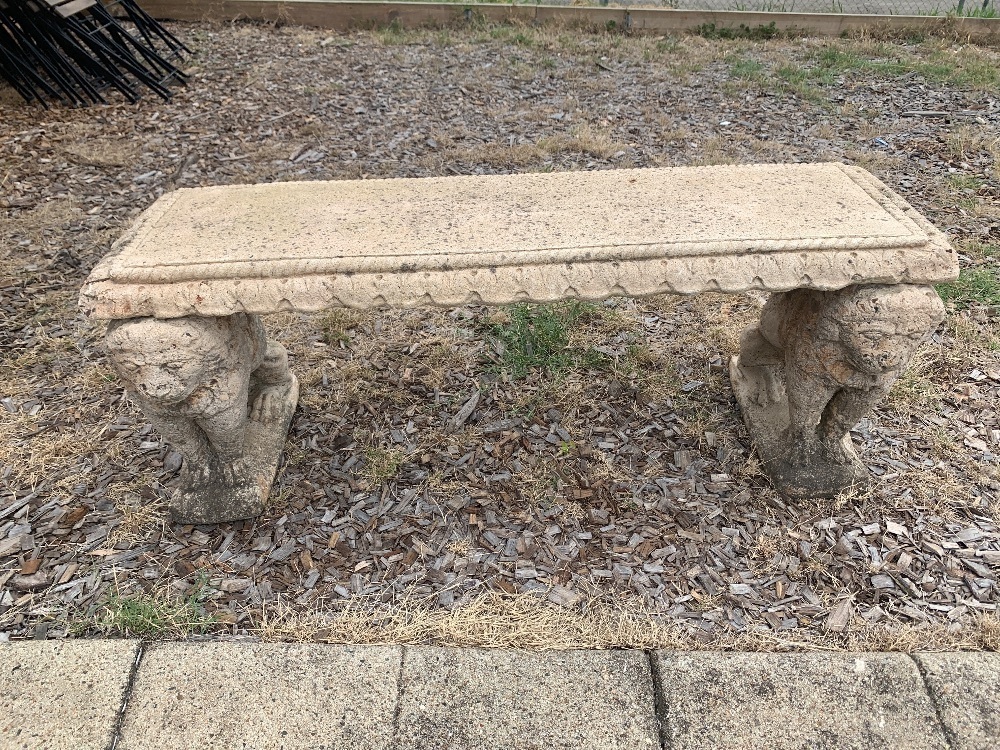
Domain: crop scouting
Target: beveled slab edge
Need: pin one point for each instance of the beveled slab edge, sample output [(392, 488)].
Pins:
[(936, 262)]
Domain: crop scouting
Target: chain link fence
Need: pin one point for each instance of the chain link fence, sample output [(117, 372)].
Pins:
[(980, 8)]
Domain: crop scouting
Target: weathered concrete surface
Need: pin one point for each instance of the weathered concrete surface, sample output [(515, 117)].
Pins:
[(470, 699), (62, 695), (966, 691), (263, 697), (498, 239), (777, 701)]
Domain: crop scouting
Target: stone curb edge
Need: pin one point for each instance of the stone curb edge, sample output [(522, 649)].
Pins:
[(113, 695)]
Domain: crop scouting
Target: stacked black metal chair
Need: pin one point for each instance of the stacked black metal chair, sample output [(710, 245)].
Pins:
[(77, 50)]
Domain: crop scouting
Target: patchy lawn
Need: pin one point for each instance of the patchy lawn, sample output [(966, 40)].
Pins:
[(602, 492)]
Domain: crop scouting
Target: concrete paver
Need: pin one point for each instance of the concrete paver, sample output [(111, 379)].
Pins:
[(62, 695), (458, 699), (966, 690), (777, 701), (257, 696)]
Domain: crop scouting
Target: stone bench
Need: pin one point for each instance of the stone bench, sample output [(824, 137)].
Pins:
[(848, 260)]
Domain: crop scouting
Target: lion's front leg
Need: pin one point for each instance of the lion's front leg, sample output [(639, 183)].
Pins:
[(226, 432), (848, 407), (272, 382)]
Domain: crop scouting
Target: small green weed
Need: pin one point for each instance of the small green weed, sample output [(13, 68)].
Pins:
[(381, 464), (800, 81), (965, 182), (668, 45), (156, 615), (393, 33), (755, 33), (744, 69), (523, 37), (981, 250), (337, 323), (975, 286), (538, 337)]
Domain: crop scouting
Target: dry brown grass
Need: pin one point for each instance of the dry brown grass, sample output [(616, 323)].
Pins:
[(102, 152), (488, 621), (969, 140), (540, 483), (586, 139), (53, 442), (916, 390), (52, 215), (141, 514), (526, 621)]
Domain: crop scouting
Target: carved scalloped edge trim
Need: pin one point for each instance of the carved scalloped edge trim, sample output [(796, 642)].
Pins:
[(772, 272)]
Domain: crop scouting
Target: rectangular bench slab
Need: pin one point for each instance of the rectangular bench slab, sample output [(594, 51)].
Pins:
[(309, 246), (849, 262)]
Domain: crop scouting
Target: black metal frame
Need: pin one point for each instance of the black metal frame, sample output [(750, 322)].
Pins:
[(76, 58)]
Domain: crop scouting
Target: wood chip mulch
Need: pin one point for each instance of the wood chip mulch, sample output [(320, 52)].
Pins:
[(414, 468)]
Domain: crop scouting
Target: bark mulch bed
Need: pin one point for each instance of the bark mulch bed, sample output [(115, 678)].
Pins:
[(420, 471)]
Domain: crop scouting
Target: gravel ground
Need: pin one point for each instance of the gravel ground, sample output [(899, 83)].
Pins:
[(625, 481)]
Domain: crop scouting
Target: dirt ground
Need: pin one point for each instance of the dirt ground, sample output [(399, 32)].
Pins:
[(613, 500)]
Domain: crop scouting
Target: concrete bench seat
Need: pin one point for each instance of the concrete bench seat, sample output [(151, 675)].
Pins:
[(185, 285)]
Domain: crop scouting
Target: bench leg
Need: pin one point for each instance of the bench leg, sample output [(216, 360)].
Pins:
[(221, 394), (814, 366)]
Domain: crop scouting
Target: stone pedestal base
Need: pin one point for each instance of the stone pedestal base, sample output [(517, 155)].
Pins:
[(217, 498), (766, 416)]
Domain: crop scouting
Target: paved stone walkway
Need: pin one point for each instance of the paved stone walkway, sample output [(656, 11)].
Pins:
[(107, 695)]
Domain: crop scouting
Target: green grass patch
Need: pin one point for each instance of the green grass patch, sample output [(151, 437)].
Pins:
[(336, 324), (799, 81), (965, 182), (981, 250), (755, 33), (826, 66), (381, 464), (668, 45), (155, 615), (537, 337), (970, 69), (967, 68), (511, 34), (978, 286), (745, 69)]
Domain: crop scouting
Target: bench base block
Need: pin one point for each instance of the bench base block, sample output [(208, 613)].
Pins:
[(218, 500), (766, 416)]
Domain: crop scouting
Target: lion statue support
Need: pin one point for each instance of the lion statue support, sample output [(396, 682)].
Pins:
[(814, 366), (221, 394)]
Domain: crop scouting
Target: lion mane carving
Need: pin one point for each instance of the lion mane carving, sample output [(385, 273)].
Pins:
[(201, 382)]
